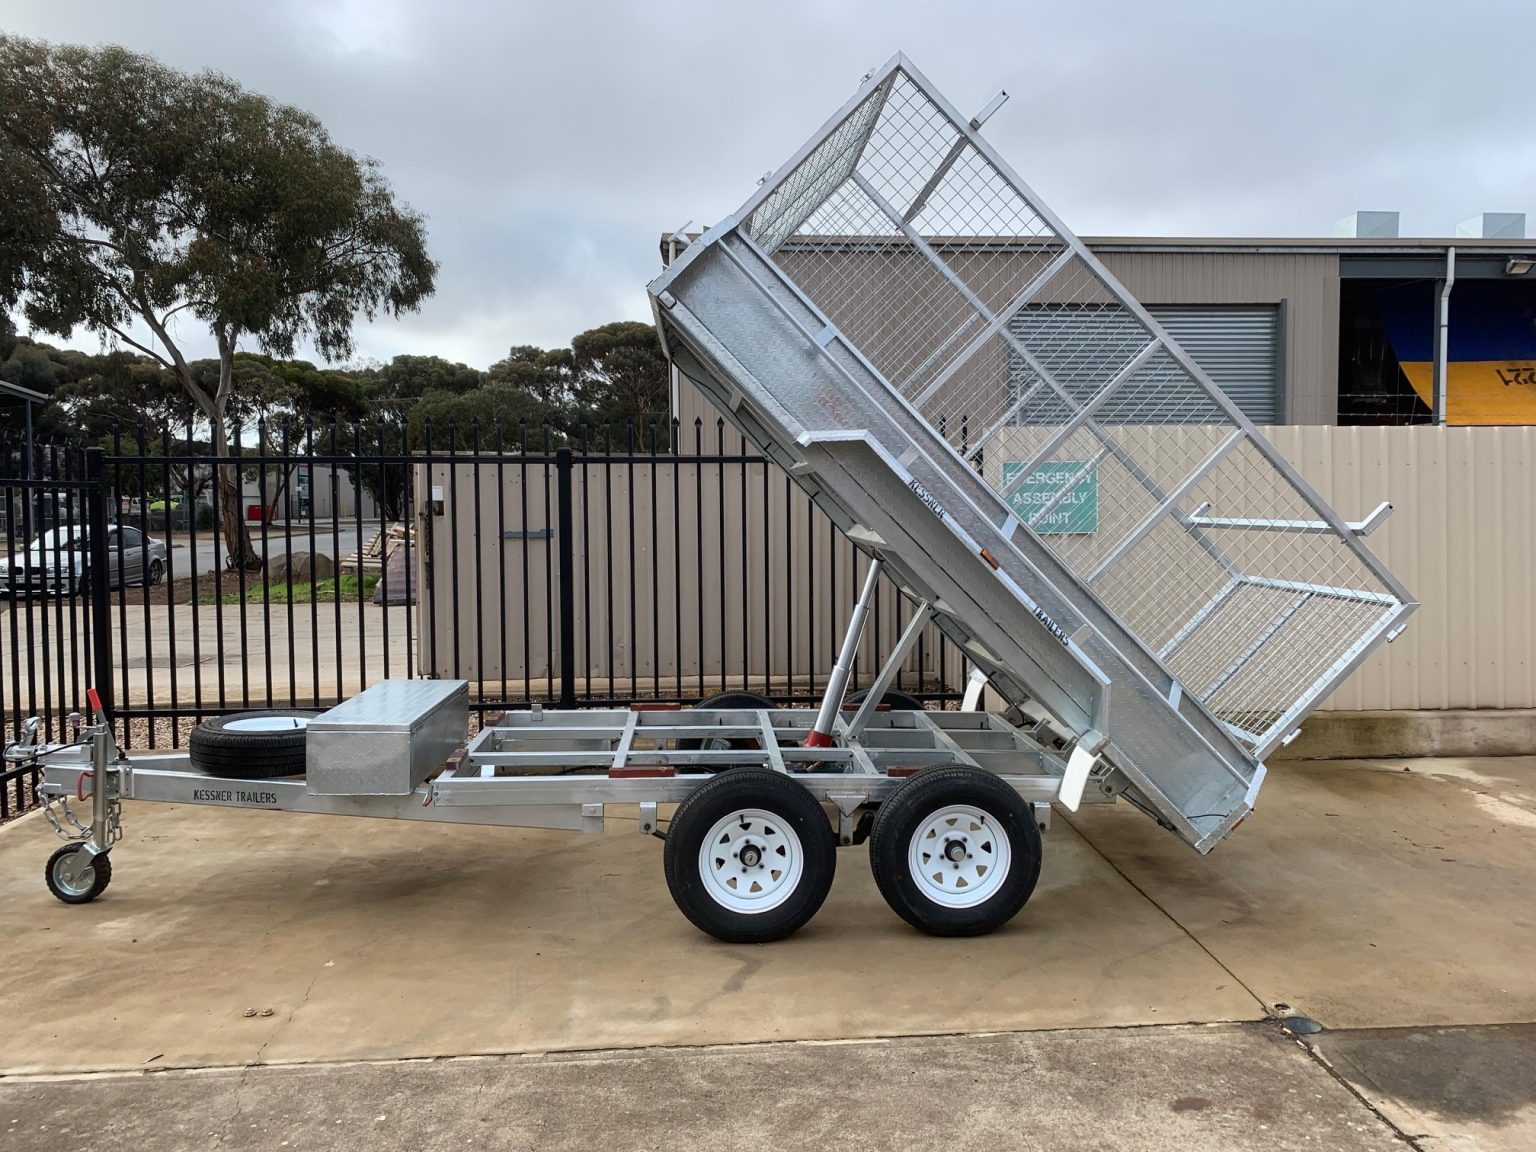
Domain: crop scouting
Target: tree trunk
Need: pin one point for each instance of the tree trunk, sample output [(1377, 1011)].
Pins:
[(237, 536)]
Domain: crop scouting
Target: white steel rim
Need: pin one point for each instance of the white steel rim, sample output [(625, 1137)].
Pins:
[(959, 856), (266, 724), (751, 861)]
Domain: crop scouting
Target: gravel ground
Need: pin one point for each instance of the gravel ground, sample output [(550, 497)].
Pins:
[(18, 798)]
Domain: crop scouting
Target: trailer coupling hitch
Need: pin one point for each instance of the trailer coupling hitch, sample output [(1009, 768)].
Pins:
[(24, 749)]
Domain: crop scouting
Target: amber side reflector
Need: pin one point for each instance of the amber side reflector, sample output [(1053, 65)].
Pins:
[(990, 559), (647, 773), (654, 706)]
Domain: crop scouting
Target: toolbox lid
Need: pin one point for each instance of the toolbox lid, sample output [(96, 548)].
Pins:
[(390, 706)]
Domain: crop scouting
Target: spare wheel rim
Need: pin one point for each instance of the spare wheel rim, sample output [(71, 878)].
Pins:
[(267, 724)]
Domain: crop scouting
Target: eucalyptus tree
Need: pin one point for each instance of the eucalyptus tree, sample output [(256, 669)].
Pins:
[(143, 203)]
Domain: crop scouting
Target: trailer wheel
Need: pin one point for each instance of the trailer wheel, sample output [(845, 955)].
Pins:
[(712, 743), (750, 856), (894, 700), (955, 851), (75, 880), (251, 745)]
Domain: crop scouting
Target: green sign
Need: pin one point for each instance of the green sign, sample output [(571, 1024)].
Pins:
[(1075, 513)]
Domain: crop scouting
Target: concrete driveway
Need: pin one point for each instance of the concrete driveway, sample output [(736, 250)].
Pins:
[(563, 1002)]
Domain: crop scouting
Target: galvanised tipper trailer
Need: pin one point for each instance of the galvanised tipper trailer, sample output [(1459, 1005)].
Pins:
[(1151, 593)]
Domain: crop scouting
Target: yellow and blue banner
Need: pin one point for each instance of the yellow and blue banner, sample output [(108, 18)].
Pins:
[(1491, 370)]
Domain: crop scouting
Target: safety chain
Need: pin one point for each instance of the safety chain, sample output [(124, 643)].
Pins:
[(53, 811), (60, 812), (114, 808)]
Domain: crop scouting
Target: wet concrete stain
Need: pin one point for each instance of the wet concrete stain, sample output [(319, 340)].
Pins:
[(1481, 1073)]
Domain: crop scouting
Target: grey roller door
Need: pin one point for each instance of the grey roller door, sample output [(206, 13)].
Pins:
[(1238, 346)]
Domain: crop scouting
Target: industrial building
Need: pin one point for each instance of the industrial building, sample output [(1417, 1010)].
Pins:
[(1385, 368), (1349, 329)]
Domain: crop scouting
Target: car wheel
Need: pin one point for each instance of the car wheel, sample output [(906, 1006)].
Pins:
[(156, 572)]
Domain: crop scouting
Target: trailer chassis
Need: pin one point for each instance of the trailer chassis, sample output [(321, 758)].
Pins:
[(580, 769)]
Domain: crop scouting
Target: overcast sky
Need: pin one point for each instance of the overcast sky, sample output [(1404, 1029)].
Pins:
[(550, 144)]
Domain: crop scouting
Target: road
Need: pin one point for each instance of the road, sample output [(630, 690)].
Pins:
[(196, 556)]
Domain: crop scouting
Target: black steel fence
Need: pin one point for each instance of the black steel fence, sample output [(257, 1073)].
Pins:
[(571, 569)]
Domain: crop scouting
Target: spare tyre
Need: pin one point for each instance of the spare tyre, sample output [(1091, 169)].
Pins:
[(724, 700), (893, 699), (251, 745)]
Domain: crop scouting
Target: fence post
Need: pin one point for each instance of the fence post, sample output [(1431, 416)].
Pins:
[(96, 565), (565, 535)]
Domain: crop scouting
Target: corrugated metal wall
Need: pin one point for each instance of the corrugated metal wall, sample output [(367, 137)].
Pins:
[(1462, 537)]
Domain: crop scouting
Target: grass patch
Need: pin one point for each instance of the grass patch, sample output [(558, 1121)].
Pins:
[(346, 587)]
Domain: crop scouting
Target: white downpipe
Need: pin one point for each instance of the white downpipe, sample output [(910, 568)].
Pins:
[(1443, 336)]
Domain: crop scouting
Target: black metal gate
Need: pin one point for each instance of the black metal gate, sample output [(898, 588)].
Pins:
[(56, 626), (573, 570)]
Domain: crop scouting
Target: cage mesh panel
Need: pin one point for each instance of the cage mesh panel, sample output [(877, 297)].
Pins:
[(971, 396), (871, 280), (816, 177), (1162, 583), (919, 313), (909, 143)]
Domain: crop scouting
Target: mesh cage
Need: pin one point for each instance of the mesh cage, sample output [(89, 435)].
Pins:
[(945, 274)]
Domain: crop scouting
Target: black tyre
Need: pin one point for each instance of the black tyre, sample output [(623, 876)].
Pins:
[(155, 572), (750, 856), (251, 745), (955, 852), (71, 882), (709, 743), (894, 700)]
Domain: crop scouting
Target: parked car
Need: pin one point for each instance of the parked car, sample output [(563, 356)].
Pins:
[(58, 561)]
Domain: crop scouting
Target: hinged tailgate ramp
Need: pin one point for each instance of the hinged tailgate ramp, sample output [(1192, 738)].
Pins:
[(897, 320)]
